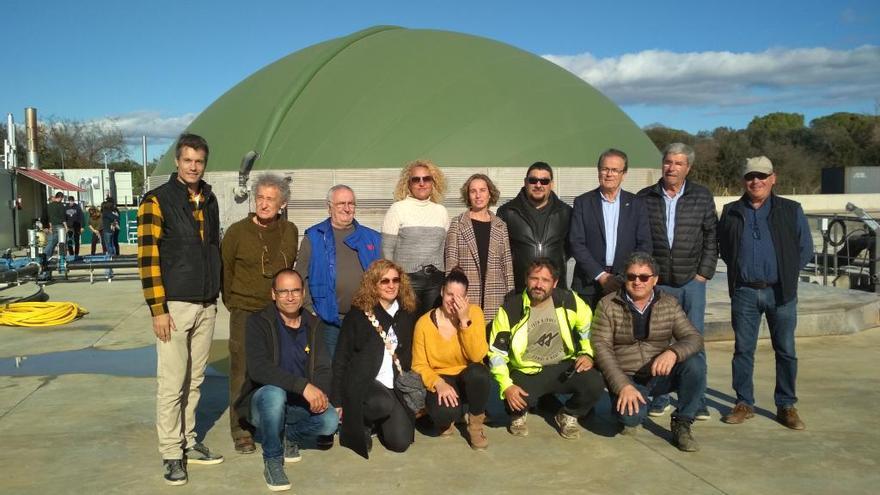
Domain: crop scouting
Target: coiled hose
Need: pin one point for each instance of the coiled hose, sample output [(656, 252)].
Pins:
[(40, 314)]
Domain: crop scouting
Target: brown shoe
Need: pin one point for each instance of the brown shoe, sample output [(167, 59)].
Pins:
[(788, 416), (245, 445), (741, 412), (476, 434)]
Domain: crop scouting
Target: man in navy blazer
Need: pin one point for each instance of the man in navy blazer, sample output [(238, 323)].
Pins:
[(607, 224)]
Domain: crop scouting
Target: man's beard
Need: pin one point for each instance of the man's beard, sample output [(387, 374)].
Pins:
[(536, 298)]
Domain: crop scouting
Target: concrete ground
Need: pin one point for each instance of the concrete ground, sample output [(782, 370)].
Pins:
[(77, 416)]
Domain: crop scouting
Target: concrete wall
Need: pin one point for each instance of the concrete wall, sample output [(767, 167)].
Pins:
[(821, 203)]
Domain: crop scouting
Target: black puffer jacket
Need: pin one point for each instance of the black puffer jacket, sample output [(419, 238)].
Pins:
[(693, 251), (529, 241)]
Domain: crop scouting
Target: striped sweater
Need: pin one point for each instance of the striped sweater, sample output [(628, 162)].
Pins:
[(414, 233)]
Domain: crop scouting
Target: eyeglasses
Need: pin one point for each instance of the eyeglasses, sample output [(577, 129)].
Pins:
[(611, 171), (643, 277), (539, 180), (415, 179), (288, 292), (389, 281), (266, 258), (755, 175)]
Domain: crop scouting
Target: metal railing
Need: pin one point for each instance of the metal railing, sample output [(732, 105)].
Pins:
[(849, 249)]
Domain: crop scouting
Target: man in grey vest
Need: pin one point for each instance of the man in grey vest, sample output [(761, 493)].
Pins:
[(179, 264)]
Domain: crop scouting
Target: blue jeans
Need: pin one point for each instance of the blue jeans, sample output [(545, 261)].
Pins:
[(331, 337), (688, 378), (51, 244), (111, 249), (746, 308), (273, 416), (692, 298)]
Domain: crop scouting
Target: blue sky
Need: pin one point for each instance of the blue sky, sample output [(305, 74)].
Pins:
[(152, 66)]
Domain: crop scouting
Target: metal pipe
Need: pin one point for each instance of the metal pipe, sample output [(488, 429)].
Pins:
[(30, 121), (144, 150), (12, 275), (12, 158), (84, 265), (244, 172)]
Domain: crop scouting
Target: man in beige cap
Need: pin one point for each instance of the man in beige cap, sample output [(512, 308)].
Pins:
[(765, 241)]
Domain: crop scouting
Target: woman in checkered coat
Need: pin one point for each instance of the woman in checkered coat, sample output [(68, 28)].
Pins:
[(477, 242)]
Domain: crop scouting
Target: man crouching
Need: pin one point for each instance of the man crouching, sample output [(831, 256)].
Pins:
[(287, 378), (645, 346)]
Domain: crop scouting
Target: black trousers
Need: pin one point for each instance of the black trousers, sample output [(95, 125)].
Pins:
[(586, 387), (73, 244), (383, 410), (426, 287), (472, 386)]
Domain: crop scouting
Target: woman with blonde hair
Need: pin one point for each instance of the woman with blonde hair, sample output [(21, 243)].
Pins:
[(449, 345), (374, 349), (414, 230), (478, 243)]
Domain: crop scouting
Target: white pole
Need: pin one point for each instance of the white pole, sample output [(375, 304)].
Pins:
[(144, 146)]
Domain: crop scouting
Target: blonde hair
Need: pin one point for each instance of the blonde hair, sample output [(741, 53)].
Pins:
[(401, 191), (367, 296)]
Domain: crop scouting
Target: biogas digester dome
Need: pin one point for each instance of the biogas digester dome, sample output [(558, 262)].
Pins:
[(384, 96)]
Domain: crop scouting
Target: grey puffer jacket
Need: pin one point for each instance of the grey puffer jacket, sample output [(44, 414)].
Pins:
[(693, 251)]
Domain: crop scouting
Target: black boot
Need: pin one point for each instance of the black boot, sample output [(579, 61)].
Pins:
[(681, 435)]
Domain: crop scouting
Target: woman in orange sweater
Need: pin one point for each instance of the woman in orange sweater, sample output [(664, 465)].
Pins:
[(449, 344)]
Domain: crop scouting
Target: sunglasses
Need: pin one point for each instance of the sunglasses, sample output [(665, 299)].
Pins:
[(539, 180), (389, 281), (643, 277), (415, 179), (755, 175)]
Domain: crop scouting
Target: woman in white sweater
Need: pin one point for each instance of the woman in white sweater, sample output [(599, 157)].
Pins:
[(414, 230)]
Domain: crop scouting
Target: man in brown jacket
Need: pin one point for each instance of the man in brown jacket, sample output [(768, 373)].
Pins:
[(645, 346)]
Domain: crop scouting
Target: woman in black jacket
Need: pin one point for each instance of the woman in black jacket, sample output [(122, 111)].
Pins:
[(375, 346)]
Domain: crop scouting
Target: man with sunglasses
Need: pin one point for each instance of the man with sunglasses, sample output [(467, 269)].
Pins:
[(607, 224), (681, 214), (765, 241), (537, 224), (284, 394), (645, 345), (253, 249)]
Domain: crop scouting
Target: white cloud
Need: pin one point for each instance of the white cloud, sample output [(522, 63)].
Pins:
[(151, 124), (814, 76)]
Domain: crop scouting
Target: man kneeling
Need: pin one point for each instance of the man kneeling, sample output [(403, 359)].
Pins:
[(540, 345), (287, 376), (645, 346)]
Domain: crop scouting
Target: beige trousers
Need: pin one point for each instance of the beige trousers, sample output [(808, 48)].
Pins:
[(179, 372)]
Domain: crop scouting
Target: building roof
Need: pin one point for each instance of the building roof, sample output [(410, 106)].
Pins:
[(48, 179), (386, 95)]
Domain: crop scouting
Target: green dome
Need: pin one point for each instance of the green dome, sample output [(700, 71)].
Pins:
[(384, 96)]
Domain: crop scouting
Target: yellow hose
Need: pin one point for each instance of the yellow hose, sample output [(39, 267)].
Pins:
[(40, 314)]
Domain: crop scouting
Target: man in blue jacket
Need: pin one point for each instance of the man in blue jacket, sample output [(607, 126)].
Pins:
[(333, 256), (607, 224)]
